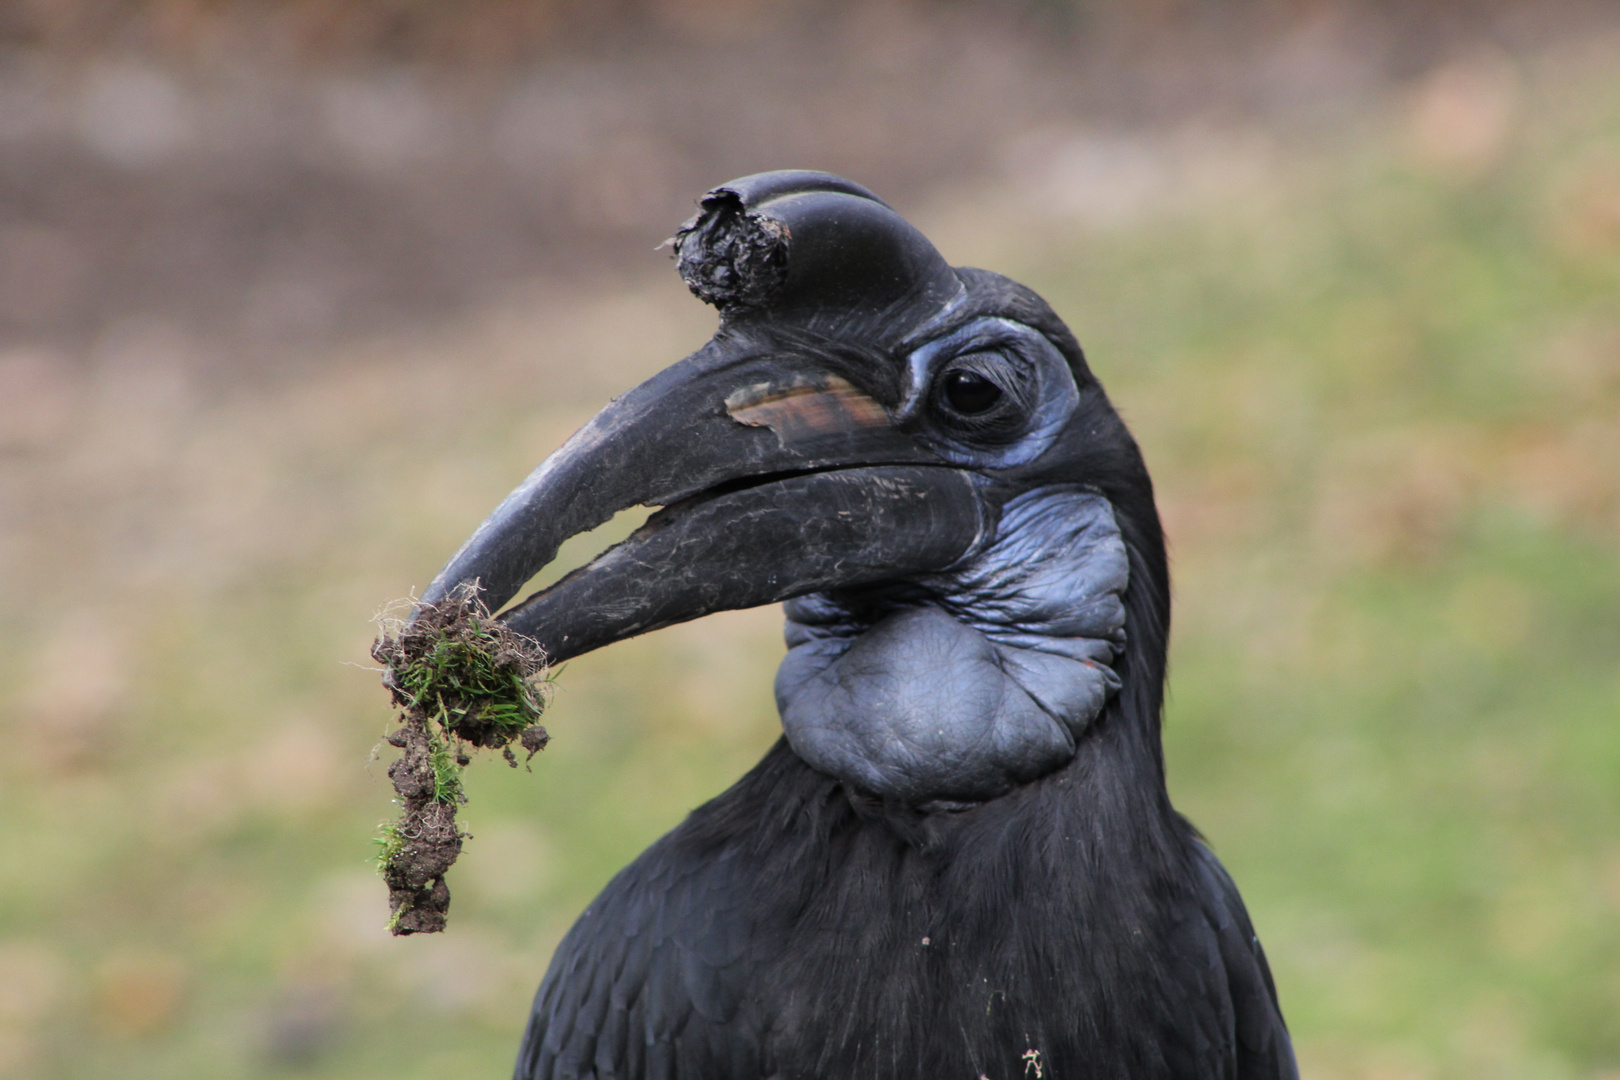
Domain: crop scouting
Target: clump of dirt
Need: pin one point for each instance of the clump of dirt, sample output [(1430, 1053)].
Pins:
[(462, 680), (730, 258)]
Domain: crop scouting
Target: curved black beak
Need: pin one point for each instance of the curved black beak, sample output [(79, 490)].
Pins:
[(774, 450), (777, 477)]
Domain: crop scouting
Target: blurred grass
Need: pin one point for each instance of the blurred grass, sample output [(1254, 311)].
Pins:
[(1375, 369)]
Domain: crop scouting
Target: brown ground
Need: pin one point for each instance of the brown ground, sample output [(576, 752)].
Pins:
[(224, 187), (448, 668)]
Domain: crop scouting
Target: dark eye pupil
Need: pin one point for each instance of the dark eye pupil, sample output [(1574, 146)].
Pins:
[(969, 392)]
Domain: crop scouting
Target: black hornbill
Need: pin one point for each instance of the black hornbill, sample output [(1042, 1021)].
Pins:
[(961, 860)]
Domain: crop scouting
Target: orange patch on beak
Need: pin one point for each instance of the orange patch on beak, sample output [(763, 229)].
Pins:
[(806, 410)]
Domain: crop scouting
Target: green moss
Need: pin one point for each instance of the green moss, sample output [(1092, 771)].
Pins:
[(446, 772), (466, 671), (462, 680), (389, 842)]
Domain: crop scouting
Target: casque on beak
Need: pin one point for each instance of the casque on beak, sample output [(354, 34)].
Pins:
[(777, 451)]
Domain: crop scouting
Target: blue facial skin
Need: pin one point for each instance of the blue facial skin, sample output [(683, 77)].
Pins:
[(952, 688), (955, 687), (1033, 374)]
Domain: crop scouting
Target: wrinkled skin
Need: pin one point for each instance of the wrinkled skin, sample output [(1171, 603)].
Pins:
[(958, 686)]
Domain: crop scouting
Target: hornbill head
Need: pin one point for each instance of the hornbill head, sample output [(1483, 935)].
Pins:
[(914, 456)]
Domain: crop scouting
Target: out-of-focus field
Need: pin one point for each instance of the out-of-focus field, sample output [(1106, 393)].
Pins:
[(1375, 368)]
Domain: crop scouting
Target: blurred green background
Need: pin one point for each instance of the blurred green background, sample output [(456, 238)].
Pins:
[(291, 294)]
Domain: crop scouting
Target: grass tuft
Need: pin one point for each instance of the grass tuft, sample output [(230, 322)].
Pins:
[(462, 681)]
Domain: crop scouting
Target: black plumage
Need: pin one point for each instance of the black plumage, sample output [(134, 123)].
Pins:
[(1070, 927)]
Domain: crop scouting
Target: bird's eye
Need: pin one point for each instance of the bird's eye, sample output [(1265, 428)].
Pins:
[(984, 397), (970, 393)]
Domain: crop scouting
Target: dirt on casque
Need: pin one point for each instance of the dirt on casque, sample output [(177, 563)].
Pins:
[(462, 680)]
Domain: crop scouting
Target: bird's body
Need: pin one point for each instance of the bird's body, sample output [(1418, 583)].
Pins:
[(1069, 929), (961, 860)]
